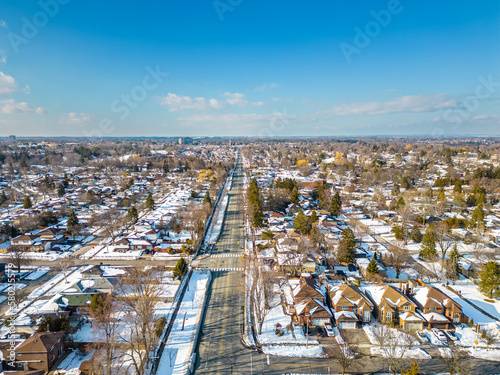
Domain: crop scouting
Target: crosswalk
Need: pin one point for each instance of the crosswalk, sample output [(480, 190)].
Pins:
[(228, 269), (226, 255)]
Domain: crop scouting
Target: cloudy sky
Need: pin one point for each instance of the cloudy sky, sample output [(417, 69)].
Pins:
[(249, 67)]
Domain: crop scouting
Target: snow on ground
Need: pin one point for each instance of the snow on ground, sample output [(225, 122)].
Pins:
[(491, 354), (269, 336), (311, 351), (416, 353), (16, 286), (469, 290), (178, 348), (72, 362), (40, 272), (401, 337), (92, 252), (216, 227), (59, 283)]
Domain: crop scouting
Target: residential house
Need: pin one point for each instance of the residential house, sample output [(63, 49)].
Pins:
[(39, 352), (351, 305), (393, 306), (310, 307), (439, 310)]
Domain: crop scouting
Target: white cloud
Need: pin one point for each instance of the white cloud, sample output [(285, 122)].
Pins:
[(409, 103), (3, 24), (177, 103), (75, 118), (485, 117), (267, 86), (7, 84), (10, 106), (3, 59)]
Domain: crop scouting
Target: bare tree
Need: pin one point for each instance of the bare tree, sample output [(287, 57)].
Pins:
[(342, 353), (64, 265), (454, 361), (263, 292), (405, 214), (443, 239), (398, 259), (106, 326), (393, 346), (141, 290), (109, 221), (18, 257)]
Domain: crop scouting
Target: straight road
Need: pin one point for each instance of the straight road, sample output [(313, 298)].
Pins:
[(220, 345)]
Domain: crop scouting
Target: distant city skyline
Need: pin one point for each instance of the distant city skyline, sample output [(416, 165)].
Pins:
[(249, 68)]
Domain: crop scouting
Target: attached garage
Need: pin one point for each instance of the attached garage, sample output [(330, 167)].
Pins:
[(347, 325), (413, 326), (321, 321)]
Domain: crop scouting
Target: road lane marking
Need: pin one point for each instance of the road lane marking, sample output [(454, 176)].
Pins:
[(224, 322)]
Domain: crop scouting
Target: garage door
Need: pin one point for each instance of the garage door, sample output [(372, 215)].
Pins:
[(347, 325), (413, 326), (320, 322)]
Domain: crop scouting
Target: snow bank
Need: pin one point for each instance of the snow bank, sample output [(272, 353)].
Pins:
[(311, 351)]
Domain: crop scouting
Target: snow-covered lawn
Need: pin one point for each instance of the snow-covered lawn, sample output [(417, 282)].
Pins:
[(71, 364), (401, 337), (469, 290), (269, 336), (416, 353), (311, 351), (176, 356)]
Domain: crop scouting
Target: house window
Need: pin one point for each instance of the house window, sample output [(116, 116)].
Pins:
[(366, 316), (432, 309), (407, 307), (344, 307), (388, 316)]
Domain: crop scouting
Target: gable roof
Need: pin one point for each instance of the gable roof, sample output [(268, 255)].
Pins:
[(351, 294), (40, 342)]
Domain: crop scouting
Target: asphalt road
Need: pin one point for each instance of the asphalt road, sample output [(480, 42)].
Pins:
[(220, 349)]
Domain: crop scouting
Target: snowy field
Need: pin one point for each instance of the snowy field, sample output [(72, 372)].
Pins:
[(312, 351), (176, 356)]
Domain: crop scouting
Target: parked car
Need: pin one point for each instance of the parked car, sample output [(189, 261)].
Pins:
[(329, 330), (439, 334), (422, 336), (451, 335)]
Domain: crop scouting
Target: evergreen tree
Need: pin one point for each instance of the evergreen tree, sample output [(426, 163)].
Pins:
[(441, 196), (336, 204), (150, 203), (452, 266), (72, 221), (61, 190), (346, 252), (489, 283), (27, 202), (294, 198), (415, 235), (478, 215), (3, 198), (180, 268), (401, 202), (132, 215), (302, 223), (314, 217), (372, 267), (428, 249)]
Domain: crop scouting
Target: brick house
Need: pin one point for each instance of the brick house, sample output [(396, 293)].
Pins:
[(310, 305), (439, 310), (39, 352), (351, 305), (394, 306)]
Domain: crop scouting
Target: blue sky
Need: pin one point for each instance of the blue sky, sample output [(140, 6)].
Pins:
[(252, 68)]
